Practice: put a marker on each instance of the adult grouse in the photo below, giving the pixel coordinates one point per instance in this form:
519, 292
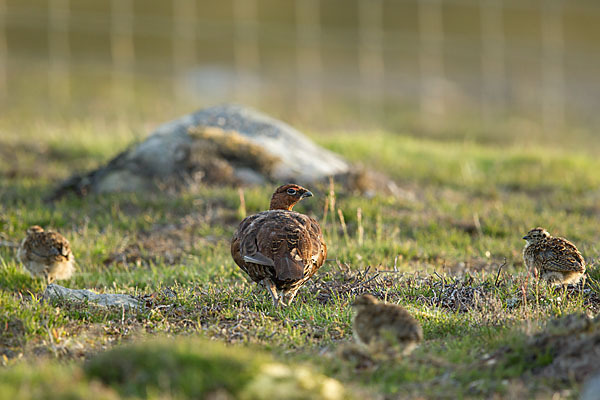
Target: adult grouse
280, 248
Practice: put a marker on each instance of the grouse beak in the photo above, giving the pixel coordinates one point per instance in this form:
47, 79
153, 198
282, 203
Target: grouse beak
306, 194
526, 237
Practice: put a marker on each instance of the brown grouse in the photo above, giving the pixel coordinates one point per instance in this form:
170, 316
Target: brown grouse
47, 254
280, 248
556, 259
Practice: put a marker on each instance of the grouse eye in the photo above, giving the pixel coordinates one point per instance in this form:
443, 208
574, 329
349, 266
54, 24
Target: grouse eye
291, 191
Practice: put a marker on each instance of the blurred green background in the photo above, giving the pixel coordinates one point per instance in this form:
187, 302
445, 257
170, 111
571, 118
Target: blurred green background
482, 69
483, 112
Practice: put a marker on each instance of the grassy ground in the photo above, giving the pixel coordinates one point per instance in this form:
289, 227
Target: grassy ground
448, 248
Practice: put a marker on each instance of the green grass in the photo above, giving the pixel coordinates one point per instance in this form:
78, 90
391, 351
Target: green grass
437, 246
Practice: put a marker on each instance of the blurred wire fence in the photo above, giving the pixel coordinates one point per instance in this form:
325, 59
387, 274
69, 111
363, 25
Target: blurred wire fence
369, 61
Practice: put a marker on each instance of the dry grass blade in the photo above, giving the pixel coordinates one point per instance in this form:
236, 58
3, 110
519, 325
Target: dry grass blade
360, 229
344, 227
242, 207
331, 199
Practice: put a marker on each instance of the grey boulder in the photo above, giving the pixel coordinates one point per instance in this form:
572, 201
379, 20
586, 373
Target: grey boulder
226, 144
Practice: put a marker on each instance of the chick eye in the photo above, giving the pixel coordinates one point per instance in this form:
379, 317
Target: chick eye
291, 191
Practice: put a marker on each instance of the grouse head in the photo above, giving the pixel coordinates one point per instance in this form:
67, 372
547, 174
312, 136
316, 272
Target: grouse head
286, 196
363, 301
34, 229
536, 235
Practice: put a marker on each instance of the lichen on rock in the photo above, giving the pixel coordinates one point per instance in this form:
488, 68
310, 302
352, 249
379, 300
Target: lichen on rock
218, 145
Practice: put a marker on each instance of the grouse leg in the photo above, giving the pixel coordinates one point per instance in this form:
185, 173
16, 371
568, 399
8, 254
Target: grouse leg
272, 291
290, 296
49, 279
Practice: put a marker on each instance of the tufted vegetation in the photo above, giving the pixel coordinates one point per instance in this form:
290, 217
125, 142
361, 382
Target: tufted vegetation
447, 247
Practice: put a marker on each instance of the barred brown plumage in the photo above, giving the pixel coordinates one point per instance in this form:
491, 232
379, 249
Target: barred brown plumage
47, 254
556, 259
385, 328
280, 248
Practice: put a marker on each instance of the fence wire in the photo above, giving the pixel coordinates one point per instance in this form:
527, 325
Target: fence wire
489, 58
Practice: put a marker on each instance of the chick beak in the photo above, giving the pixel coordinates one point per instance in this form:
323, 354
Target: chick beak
306, 194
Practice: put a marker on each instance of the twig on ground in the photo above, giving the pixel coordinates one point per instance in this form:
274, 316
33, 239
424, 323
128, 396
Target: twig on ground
499, 270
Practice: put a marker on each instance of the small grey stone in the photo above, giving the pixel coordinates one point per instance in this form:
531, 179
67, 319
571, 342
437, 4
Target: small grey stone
57, 292
591, 388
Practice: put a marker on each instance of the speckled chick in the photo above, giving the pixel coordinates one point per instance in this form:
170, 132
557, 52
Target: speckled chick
556, 259
47, 254
385, 328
